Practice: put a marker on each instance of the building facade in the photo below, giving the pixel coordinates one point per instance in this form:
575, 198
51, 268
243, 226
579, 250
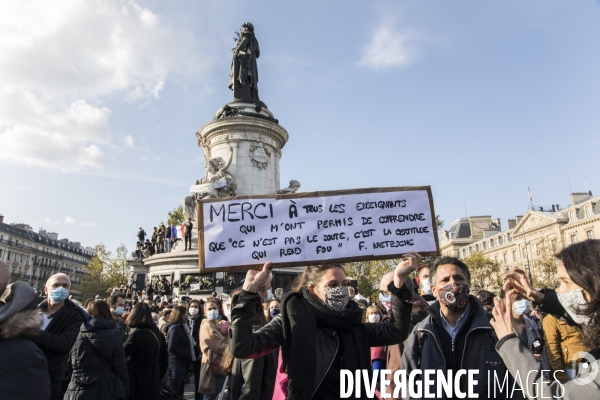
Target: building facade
528, 238
33, 257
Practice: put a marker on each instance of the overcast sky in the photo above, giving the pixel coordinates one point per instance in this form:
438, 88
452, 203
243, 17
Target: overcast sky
100, 102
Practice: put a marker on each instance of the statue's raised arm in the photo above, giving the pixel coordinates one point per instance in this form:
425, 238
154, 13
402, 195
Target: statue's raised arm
223, 170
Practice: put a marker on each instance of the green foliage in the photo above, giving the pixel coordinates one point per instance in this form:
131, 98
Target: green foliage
105, 271
485, 273
368, 274
176, 216
543, 268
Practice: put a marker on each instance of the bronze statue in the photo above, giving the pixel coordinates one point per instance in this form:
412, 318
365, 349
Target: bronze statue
243, 75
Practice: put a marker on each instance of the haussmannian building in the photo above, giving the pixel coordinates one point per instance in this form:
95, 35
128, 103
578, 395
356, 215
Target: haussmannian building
531, 236
33, 257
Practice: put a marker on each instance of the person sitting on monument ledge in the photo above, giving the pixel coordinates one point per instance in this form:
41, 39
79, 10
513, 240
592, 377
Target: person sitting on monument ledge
319, 329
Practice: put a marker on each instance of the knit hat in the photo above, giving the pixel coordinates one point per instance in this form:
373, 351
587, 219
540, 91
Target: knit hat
20, 297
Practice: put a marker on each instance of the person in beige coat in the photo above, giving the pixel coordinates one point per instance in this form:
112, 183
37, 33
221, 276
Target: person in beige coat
213, 343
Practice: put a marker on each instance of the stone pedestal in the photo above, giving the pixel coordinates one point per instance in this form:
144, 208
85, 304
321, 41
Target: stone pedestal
256, 140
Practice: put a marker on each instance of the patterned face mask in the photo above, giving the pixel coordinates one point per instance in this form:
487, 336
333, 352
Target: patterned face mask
455, 296
337, 298
386, 301
572, 302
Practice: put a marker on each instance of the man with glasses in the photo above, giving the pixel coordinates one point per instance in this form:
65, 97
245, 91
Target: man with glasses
61, 320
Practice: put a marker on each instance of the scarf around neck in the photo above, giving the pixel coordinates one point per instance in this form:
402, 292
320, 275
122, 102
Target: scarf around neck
302, 314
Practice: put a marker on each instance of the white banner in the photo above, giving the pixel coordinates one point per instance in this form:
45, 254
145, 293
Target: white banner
307, 228
207, 187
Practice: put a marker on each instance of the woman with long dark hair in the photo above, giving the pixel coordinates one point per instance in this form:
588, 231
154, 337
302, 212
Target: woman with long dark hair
319, 330
143, 349
577, 298
97, 359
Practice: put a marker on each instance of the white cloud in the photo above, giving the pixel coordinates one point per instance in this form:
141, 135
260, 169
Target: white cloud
389, 48
70, 220
88, 223
128, 141
59, 62
144, 159
156, 158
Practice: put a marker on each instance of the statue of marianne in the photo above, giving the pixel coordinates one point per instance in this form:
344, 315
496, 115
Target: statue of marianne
243, 75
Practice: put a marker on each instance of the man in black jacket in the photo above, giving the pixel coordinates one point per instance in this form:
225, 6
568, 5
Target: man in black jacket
61, 320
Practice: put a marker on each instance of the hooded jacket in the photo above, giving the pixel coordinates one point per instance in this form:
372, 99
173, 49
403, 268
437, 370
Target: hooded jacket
430, 347
23, 367
91, 378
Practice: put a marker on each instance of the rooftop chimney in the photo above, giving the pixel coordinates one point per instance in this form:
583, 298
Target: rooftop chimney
512, 223
1, 219
496, 224
519, 218
577, 198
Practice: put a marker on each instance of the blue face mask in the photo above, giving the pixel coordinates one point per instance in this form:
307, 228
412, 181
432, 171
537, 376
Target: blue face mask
120, 310
269, 295
59, 294
521, 307
274, 312
212, 315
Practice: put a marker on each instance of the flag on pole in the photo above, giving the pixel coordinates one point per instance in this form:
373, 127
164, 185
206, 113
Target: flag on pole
529, 193
177, 231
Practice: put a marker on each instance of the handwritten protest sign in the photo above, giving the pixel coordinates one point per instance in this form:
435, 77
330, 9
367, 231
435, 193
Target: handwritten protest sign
310, 228
207, 187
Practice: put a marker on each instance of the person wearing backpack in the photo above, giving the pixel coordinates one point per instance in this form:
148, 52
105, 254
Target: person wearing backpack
98, 359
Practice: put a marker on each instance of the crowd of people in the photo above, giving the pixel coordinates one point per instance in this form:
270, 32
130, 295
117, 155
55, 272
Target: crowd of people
162, 240
147, 345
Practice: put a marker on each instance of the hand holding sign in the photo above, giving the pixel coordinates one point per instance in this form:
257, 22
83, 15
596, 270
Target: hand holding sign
255, 279
409, 264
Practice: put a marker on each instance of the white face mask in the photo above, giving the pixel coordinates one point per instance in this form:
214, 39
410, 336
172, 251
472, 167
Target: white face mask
194, 311
573, 301
426, 286
374, 318
386, 301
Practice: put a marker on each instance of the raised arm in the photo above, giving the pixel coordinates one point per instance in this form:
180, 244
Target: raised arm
243, 342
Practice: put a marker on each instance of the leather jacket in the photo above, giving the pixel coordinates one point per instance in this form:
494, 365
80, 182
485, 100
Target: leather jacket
245, 344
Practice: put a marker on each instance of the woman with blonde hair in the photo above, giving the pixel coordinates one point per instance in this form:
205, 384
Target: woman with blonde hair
378, 353
213, 343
